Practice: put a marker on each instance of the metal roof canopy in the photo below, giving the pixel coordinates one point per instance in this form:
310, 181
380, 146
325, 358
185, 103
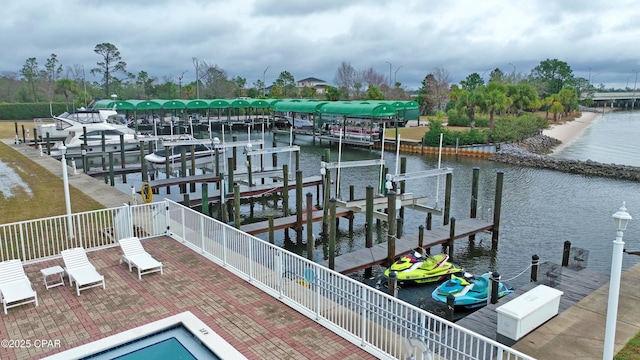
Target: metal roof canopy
307, 107
358, 109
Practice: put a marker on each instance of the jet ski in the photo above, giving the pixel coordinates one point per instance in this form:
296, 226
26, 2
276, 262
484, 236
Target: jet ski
419, 269
469, 291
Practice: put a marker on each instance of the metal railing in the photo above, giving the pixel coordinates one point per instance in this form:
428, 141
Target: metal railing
380, 324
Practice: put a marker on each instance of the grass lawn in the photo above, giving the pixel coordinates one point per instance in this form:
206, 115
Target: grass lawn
46, 196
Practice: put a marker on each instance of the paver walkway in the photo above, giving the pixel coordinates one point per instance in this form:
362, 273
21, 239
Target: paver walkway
255, 323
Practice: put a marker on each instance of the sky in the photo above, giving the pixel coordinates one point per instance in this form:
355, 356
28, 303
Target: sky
258, 39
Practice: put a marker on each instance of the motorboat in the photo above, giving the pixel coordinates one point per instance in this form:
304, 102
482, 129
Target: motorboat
356, 132
468, 291
93, 136
299, 124
418, 269
203, 152
67, 121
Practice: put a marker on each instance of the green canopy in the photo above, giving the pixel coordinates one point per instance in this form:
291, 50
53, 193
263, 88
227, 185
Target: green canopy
198, 104
307, 107
260, 104
240, 103
219, 104
358, 109
173, 104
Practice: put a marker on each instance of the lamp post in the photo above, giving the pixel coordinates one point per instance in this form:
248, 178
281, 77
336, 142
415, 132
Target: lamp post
395, 74
620, 220
390, 66
65, 182
180, 84
514, 69
264, 81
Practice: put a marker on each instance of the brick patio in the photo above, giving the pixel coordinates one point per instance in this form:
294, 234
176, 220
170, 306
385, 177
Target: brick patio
256, 324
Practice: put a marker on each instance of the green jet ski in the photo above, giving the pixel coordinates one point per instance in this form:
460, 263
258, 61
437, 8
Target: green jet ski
419, 269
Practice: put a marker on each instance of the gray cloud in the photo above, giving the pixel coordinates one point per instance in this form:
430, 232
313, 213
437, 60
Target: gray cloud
313, 38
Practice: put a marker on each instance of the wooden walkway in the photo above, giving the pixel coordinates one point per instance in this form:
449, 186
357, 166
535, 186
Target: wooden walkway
575, 284
367, 257
287, 222
258, 190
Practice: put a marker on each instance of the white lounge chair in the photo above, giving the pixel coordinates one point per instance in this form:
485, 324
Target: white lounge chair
15, 287
80, 270
136, 256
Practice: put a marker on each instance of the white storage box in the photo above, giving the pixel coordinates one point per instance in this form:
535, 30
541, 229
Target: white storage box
521, 315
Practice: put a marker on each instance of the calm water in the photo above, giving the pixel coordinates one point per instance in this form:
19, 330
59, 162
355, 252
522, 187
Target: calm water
540, 209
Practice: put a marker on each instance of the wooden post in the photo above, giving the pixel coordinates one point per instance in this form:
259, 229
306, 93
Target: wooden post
104, 150
535, 260
274, 156
429, 220
297, 160
565, 253
143, 165
49, 144
327, 196
452, 233
447, 199
192, 185
496, 209
185, 200
495, 284
230, 167
403, 170
392, 284
285, 196
234, 153
85, 163
368, 225
236, 206
249, 170
271, 231
223, 200
122, 159
205, 199
399, 227
351, 216
183, 169
217, 152
451, 300
474, 197
112, 181
332, 234
391, 222
299, 206
310, 241
421, 236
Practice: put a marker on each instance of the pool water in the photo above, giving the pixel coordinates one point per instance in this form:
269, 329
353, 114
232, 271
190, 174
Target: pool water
176, 343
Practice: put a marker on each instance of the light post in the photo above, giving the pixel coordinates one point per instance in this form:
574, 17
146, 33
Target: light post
395, 74
264, 81
180, 84
390, 66
65, 182
620, 220
514, 69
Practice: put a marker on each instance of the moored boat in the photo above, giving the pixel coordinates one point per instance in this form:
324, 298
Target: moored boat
418, 269
469, 291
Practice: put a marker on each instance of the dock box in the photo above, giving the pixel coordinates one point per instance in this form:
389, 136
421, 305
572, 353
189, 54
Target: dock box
523, 314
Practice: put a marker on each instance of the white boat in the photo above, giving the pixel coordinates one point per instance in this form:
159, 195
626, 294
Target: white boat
63, 123
300, 124
203, 152
94, 135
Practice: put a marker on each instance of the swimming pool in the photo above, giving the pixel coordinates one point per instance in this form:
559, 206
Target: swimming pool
181, 336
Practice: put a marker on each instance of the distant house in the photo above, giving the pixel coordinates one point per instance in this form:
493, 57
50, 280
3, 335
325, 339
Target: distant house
314, 83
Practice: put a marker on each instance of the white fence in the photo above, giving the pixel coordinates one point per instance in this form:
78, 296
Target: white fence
380, 324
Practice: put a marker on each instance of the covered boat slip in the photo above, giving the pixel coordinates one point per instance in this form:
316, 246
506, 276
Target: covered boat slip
393, 113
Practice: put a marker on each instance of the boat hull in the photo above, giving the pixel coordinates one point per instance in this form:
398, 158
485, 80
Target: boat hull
473, 295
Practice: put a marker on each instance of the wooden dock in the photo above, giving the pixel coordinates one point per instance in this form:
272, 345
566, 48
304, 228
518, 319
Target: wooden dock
258, 190
575, 284
287, 222
367, 257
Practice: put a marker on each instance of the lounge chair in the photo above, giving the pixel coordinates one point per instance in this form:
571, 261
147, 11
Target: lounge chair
15, 287
136, 256
80, 270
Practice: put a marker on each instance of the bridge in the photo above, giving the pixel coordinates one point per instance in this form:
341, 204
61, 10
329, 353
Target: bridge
616, 96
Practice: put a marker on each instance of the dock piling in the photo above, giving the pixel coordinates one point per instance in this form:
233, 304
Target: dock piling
332, 234
112, 180
474, 197
299, 206
496, 209
236, 206
565, 253
495, 281
368, 225
391, 221
534, 268
310, 239
205, 199
452, 234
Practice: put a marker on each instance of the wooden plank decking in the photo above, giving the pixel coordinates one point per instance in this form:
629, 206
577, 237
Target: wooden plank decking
575, 284
287, 222
364, 258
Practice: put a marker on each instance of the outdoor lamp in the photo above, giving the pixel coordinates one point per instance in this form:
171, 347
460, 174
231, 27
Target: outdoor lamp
621, 218
323, 168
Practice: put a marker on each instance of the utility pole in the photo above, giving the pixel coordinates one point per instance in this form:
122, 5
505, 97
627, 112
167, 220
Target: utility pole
264, 81
180, 84
390, 66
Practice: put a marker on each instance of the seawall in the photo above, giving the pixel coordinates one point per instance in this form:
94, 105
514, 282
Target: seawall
518, 154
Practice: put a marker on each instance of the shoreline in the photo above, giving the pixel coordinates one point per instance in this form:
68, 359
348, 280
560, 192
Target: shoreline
568, 131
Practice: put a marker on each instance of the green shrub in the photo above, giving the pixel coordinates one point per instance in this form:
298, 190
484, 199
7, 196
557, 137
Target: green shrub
28, 111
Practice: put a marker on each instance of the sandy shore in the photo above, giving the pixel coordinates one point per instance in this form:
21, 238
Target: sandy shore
569, 131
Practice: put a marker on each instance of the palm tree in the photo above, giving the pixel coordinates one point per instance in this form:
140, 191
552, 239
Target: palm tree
66, 87
467, 101
494, 98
